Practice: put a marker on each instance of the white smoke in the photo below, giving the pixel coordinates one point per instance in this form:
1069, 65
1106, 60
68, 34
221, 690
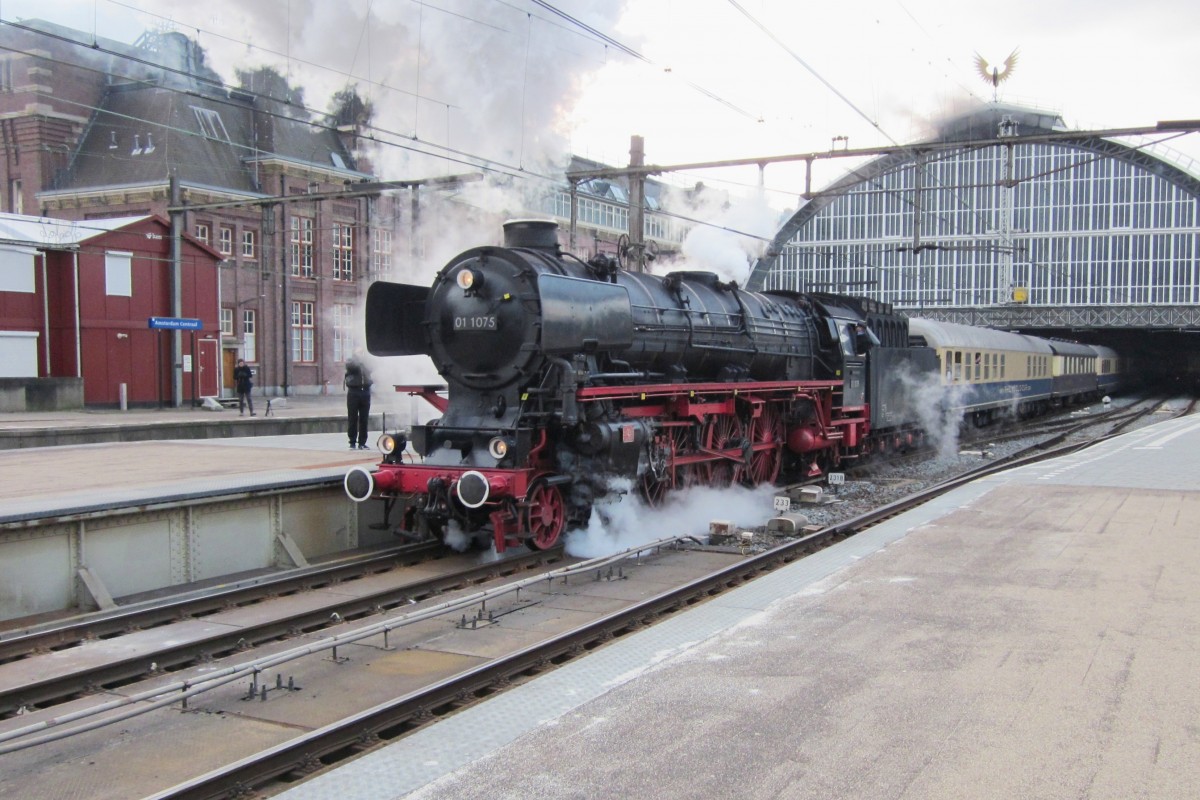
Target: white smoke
458, 79
729, 233
629, 522
455, 538
938, 407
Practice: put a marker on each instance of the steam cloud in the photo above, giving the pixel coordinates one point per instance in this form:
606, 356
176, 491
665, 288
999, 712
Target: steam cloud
938, 408
738, 233
629, 522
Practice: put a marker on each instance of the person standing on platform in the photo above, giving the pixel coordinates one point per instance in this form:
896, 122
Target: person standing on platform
243, 382
358, 400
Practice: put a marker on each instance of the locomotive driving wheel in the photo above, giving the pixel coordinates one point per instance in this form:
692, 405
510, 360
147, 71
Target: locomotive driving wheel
656, 479
662, 475
724, 432
766, 437
654, 488
545, 515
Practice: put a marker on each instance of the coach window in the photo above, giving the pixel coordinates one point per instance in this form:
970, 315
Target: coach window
987, 366
957, 366
1002, 373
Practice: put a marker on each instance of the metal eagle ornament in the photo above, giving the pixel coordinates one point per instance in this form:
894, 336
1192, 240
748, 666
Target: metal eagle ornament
996, 75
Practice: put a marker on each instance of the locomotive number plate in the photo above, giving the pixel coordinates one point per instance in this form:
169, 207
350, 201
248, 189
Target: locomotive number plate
482, 322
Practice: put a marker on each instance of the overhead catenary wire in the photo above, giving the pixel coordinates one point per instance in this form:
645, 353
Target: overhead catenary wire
824, 81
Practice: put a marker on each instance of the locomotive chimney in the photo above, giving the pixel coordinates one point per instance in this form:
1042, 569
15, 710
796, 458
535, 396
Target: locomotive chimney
541, 234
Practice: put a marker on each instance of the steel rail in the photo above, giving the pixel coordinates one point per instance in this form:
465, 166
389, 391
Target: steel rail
60, 634
56, 688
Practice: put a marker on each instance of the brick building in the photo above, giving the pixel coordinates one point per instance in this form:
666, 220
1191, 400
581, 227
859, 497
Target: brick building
93, 129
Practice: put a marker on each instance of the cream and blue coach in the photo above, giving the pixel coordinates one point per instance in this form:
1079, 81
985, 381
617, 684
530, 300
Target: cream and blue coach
988, 372
1109, 369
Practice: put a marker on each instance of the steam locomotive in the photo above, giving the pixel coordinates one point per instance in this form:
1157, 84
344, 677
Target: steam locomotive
563, 375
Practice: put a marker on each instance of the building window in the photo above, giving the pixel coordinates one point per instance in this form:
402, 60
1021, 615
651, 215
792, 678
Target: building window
381, 251
118, 274
343, 331
226, 321
248, 244
225, 241
302, 247
202, 232
211, 124
18, 198
303, 332
343, 252
249, 342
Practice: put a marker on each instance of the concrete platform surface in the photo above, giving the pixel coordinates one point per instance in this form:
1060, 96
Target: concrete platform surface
1031, 635
58, 481
290, 415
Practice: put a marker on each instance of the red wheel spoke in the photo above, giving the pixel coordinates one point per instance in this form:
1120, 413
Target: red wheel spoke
545, 515
766, 436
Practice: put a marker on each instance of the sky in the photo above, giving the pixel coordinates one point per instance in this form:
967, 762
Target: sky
700, 80
522, 84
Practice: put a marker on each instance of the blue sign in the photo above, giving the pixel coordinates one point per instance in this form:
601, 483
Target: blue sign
176, 324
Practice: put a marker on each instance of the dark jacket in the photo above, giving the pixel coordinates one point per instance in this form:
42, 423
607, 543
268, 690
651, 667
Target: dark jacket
241, 379
357, 375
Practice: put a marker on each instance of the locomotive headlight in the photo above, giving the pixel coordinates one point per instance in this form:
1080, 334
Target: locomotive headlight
498, 447
466, 279
387, 444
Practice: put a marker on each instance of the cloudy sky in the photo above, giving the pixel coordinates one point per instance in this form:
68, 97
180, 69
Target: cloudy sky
522, 83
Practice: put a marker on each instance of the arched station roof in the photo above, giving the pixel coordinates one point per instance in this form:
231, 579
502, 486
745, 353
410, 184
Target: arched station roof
974, 130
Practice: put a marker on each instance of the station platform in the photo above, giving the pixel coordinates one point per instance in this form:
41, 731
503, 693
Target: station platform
192, 495
283, 416
128, 458
1034, 634
85, 479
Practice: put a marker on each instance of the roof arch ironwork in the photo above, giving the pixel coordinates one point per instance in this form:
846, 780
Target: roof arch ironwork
973, 131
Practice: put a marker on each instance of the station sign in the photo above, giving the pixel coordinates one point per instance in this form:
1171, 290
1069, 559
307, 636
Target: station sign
175, 324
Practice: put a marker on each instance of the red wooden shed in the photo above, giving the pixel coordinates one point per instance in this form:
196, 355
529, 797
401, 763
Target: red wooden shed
77, 299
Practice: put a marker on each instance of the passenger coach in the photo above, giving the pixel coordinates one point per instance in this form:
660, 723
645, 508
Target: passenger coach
988, 372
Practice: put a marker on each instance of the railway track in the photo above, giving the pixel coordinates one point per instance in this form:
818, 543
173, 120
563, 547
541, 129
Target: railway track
151, 622
1040, 433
